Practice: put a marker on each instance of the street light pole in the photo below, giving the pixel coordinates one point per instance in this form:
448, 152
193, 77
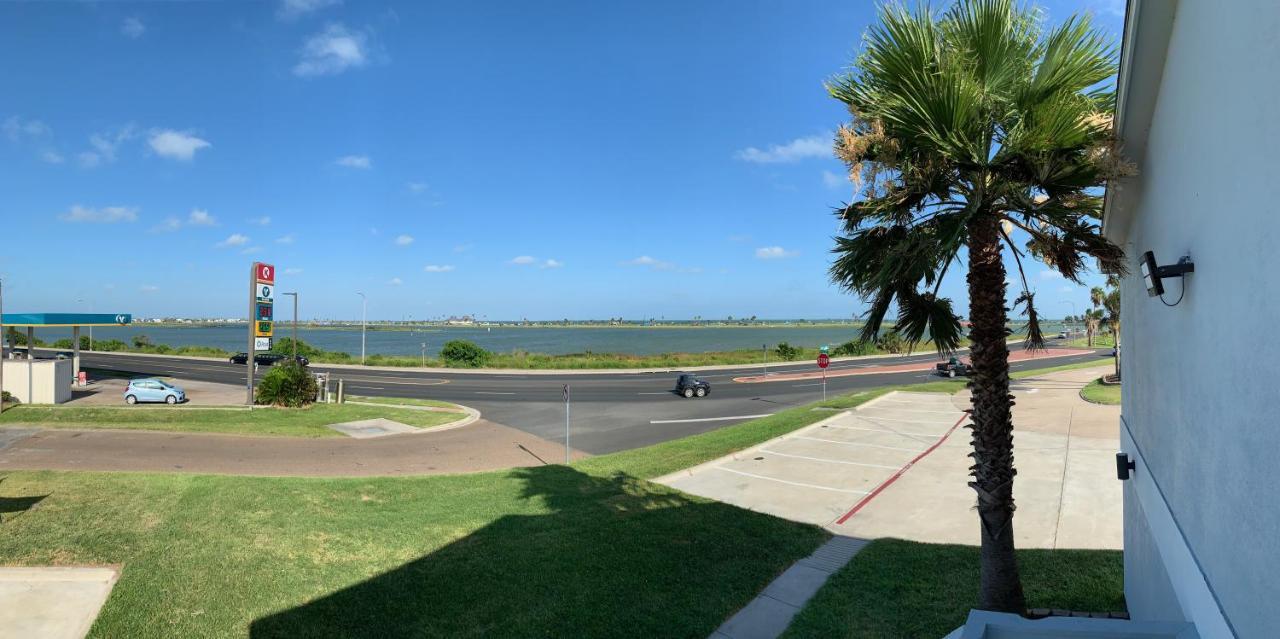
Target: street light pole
295, 324
424, 354
364, 307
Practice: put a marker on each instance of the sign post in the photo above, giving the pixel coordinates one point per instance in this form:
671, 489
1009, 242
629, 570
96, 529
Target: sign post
566, 424
824, 361
262, 280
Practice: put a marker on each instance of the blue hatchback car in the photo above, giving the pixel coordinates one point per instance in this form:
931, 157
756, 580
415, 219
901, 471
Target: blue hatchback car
151, 389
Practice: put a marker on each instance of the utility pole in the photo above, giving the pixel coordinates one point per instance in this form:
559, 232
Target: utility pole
566, 424
364, 306
764, 357
424, 354
295, 324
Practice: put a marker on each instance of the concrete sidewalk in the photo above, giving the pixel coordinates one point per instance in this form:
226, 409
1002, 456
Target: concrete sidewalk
898, 467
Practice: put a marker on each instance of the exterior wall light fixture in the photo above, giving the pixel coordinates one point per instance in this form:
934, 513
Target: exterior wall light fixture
1152, 274
1124, 466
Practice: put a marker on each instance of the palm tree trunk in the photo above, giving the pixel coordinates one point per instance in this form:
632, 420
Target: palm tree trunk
992, 470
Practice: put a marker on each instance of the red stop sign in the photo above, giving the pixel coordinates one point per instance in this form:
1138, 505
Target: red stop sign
823, 360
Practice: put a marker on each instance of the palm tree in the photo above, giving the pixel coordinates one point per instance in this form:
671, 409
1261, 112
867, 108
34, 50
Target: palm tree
1092, 319
971, 128
1109, 300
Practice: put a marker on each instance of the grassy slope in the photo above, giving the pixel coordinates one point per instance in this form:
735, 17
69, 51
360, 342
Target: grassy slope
303, 422
1099, 393
896, 588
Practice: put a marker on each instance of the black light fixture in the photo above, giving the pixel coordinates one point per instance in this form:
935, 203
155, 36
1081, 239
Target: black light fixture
1152, 274
1124, 466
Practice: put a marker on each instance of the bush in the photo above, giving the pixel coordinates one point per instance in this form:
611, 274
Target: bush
786, 351
9, 398
141, 341
460, 353
284, 346
891, 342
110, 345
854, 347
287, 384
64, 343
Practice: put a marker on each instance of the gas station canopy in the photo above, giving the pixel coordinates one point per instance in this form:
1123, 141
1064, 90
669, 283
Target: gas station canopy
37, 320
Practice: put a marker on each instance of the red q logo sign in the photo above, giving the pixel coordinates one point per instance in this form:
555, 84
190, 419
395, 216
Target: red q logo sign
265, 272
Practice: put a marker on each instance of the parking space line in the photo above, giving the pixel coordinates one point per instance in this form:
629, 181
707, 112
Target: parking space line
831, 461
901, 471
793, 483
884, 430
836, 441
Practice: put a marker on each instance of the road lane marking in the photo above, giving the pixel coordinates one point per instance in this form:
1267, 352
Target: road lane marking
836, 441
793, 483
803, 385
492, 393
706, 419
823, 459
661, 393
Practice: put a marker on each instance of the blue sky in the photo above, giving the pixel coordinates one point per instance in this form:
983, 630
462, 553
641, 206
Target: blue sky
540, 160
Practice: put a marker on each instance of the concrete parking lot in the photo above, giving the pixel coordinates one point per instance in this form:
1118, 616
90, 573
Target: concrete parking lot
898, 467
110, 392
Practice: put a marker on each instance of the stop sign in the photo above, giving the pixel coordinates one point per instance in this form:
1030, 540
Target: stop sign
823, 360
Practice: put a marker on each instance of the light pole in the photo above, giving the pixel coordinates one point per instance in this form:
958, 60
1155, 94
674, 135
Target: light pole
424, 354
364, 307
295, 324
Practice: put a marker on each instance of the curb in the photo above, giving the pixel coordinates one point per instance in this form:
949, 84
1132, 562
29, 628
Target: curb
472, 417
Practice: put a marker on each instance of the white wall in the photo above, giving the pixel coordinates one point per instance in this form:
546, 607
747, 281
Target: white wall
51, 380
1201, 394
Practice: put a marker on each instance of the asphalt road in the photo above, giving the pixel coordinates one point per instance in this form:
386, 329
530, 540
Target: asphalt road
610, 411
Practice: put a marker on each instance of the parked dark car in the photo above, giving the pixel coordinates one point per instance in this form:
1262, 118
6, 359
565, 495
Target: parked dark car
953, 368
690, 386
265, 359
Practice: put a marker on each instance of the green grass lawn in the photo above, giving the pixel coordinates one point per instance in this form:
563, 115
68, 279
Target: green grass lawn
1100, 393
402, 401
296, 422
896, 588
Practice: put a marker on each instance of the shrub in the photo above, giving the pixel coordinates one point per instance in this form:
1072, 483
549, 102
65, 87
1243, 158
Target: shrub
854, 347
110, 345
891, 342
787, 351
460, 353
64, 343
141, 341
287, 384
284, 346
9, 398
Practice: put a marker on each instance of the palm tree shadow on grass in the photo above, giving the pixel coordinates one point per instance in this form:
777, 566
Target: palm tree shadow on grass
611, 557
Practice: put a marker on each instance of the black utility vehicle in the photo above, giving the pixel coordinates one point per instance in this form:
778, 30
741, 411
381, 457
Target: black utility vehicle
952, 368
690, 386
265, 359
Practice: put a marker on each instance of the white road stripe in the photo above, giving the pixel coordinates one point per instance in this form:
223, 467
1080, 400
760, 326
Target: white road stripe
661, 393
492, 393
793, 483
836, 441
803, 385
831, 461
705, 419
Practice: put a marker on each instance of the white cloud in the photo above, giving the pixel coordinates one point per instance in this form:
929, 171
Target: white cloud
814, 146
292, 9
17, 128
176, 145
132, 27
463, 248
148, 288
773, 253
1050, 275
416, 187
105, 145
523, 259
285, 239
404, 240
550, 263
235, 239
833, 181
169, 225
201, 217
52, 157
105, 215
645, 260
354, 161
333, 51
250, 250
260, 221
395, 281
438, 268
293, 271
